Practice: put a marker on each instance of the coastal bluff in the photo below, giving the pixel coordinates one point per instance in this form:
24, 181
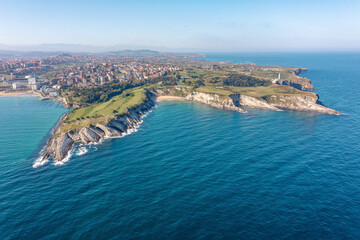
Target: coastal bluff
62, 142
236, 102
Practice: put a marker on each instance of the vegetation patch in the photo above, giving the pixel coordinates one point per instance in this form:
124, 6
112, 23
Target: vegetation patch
242, 80
257, 92
102, 113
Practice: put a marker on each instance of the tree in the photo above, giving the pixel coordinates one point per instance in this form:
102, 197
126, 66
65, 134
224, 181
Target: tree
240, 80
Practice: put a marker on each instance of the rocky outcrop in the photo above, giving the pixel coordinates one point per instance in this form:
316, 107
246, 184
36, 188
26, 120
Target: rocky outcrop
298, 102
305, 102
298, 71
60, 144
58, 147
214, 100
298, 83
247, 101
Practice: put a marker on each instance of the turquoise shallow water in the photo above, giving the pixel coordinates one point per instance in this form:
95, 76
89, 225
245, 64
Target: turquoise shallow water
194, 172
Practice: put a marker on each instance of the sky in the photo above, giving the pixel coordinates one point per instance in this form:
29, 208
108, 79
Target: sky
184, 25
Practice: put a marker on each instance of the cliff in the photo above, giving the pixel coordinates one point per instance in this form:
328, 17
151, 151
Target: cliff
298, 83
294, 80
306, 102
298, 102
214, 100
61, 143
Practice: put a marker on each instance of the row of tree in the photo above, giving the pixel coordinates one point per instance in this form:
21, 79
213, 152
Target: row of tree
240, 80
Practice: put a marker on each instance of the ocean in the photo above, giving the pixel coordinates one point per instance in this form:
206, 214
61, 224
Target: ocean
192, 171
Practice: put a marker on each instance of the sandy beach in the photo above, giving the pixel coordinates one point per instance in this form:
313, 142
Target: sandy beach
169, 98
4, 94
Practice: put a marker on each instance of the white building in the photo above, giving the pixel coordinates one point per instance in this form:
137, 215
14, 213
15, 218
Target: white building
31, 80
54, 93
276, 80
35, 86
57, 87
17, 85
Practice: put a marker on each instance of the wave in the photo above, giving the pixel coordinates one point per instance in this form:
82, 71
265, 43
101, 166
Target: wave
40, 161
65, 160
81, 151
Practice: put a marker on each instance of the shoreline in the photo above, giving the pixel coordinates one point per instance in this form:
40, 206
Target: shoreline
58, 146
60, 143
15, 94
159, 98
60, 99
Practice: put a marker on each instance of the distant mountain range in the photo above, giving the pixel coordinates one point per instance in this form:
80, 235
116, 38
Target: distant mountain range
44, 50
142, 52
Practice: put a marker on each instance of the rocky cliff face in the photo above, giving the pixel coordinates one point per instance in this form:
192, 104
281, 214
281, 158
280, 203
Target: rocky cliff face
299, 103
301, 83
60, 144
297, 82
210, 99
306, 102
252, 102
299, 71
215, 100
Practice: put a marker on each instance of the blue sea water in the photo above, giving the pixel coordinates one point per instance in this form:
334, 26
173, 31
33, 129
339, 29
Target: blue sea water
194, 172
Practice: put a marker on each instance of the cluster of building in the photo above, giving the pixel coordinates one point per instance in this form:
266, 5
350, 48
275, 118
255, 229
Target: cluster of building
81, 71
20, 67
33, 83
98, 71
28, 82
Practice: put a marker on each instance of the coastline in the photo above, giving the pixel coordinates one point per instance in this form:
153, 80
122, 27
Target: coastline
32, 93
59, 145
160, 98
16, 94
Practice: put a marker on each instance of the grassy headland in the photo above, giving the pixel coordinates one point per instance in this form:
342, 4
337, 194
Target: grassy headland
103, 103
103, 112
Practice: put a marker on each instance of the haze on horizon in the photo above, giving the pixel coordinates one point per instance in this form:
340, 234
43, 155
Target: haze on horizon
204, 25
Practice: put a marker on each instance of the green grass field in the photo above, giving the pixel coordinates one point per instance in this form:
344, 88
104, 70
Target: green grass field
116, 106
204, 74
257, 92
104, 112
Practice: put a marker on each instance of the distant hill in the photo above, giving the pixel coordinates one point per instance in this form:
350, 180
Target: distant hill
9, 53
118, 49
142, 52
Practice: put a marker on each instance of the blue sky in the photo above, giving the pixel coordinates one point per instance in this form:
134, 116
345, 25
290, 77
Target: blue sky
258, 25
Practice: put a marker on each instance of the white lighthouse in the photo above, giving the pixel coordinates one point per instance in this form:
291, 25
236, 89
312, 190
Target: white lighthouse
275, 80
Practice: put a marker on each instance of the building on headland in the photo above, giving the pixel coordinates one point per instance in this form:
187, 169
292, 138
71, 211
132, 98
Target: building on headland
54, 93
51, 92
277, 79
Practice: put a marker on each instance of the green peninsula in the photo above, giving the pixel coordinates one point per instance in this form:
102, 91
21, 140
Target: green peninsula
115, 108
